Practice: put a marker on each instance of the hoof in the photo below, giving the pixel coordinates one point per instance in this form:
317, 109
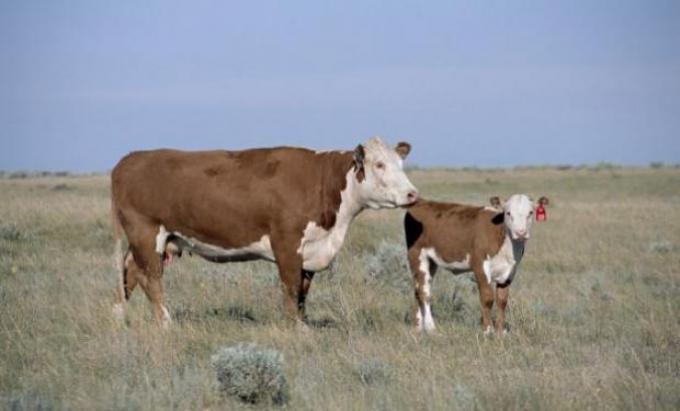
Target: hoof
118, 312
166, 320
302, 327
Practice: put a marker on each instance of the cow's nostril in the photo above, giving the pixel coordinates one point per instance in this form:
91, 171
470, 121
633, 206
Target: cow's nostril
412, 196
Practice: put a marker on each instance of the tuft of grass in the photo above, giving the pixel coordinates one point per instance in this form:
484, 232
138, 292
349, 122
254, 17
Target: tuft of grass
251, 374
372, 371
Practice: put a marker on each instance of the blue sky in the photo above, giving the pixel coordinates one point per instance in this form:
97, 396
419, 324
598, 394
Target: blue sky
491, 83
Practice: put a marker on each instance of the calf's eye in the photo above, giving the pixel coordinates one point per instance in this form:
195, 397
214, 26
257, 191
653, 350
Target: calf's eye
380, 165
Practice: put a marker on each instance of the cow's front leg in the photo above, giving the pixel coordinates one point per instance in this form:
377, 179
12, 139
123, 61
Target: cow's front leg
307, 277
289, 263
502, 294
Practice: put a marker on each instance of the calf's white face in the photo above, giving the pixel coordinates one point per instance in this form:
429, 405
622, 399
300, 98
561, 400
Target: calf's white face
519, 215
385, 185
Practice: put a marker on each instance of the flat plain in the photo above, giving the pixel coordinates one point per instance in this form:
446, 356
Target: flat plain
593, 312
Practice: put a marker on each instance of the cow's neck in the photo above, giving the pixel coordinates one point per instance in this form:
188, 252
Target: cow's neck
319, 245
351, 203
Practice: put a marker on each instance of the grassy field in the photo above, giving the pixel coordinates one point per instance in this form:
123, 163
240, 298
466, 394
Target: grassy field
593, 312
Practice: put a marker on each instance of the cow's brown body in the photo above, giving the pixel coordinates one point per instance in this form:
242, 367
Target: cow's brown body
241, 205
231, 199
460, 238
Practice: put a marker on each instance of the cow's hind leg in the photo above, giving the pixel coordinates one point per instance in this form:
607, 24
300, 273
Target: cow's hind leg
131, 275
149, 265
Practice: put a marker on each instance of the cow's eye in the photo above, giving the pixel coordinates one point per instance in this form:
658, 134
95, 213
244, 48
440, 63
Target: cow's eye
507, 213
380, 165
531, 212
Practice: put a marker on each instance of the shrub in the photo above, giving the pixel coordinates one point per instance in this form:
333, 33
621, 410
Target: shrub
465, 399
660, 247
388, 265
18, 175
61, 187
251, 374
10, 233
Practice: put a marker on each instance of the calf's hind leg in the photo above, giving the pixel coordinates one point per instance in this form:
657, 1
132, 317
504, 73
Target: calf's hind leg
423, 270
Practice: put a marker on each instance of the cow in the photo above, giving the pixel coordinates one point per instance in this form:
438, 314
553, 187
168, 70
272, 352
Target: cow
489, 241
288, 205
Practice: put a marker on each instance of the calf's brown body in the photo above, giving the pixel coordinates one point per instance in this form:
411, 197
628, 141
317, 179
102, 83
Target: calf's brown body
461, 238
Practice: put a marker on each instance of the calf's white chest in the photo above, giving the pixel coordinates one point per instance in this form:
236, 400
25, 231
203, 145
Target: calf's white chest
502, 266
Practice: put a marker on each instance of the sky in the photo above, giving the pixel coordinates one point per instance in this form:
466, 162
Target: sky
467, 83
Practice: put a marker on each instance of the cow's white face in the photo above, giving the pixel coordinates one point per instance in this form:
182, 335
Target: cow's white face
519, 215
382, 181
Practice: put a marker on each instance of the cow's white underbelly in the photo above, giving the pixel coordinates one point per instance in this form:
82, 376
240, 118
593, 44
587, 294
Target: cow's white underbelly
261, 249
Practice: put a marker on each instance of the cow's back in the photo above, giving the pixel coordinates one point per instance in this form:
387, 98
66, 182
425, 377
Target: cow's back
209, 193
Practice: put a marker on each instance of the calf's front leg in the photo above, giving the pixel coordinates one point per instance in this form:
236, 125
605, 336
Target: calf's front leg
502, 294
485, 297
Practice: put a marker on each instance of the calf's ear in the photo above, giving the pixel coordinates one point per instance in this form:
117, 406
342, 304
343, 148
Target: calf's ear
544, 200
495, 202
402, 148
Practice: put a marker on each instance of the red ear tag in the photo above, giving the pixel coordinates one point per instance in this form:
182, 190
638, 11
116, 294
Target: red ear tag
540, 213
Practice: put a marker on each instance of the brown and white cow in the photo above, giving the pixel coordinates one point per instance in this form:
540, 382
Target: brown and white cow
291, 206
489, 241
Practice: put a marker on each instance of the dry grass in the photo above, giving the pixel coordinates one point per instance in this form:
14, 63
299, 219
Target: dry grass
593, 311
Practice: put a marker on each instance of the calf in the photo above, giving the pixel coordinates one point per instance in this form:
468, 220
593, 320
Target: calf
488, 241
291, 206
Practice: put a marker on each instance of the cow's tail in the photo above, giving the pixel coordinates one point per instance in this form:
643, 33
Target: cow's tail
118, 261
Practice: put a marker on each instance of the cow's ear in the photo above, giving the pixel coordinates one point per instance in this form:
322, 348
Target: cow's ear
402, 148
495, 202
359, 157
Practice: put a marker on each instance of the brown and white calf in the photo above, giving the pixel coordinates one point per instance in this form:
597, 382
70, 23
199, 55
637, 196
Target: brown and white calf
291, 206
487, 241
